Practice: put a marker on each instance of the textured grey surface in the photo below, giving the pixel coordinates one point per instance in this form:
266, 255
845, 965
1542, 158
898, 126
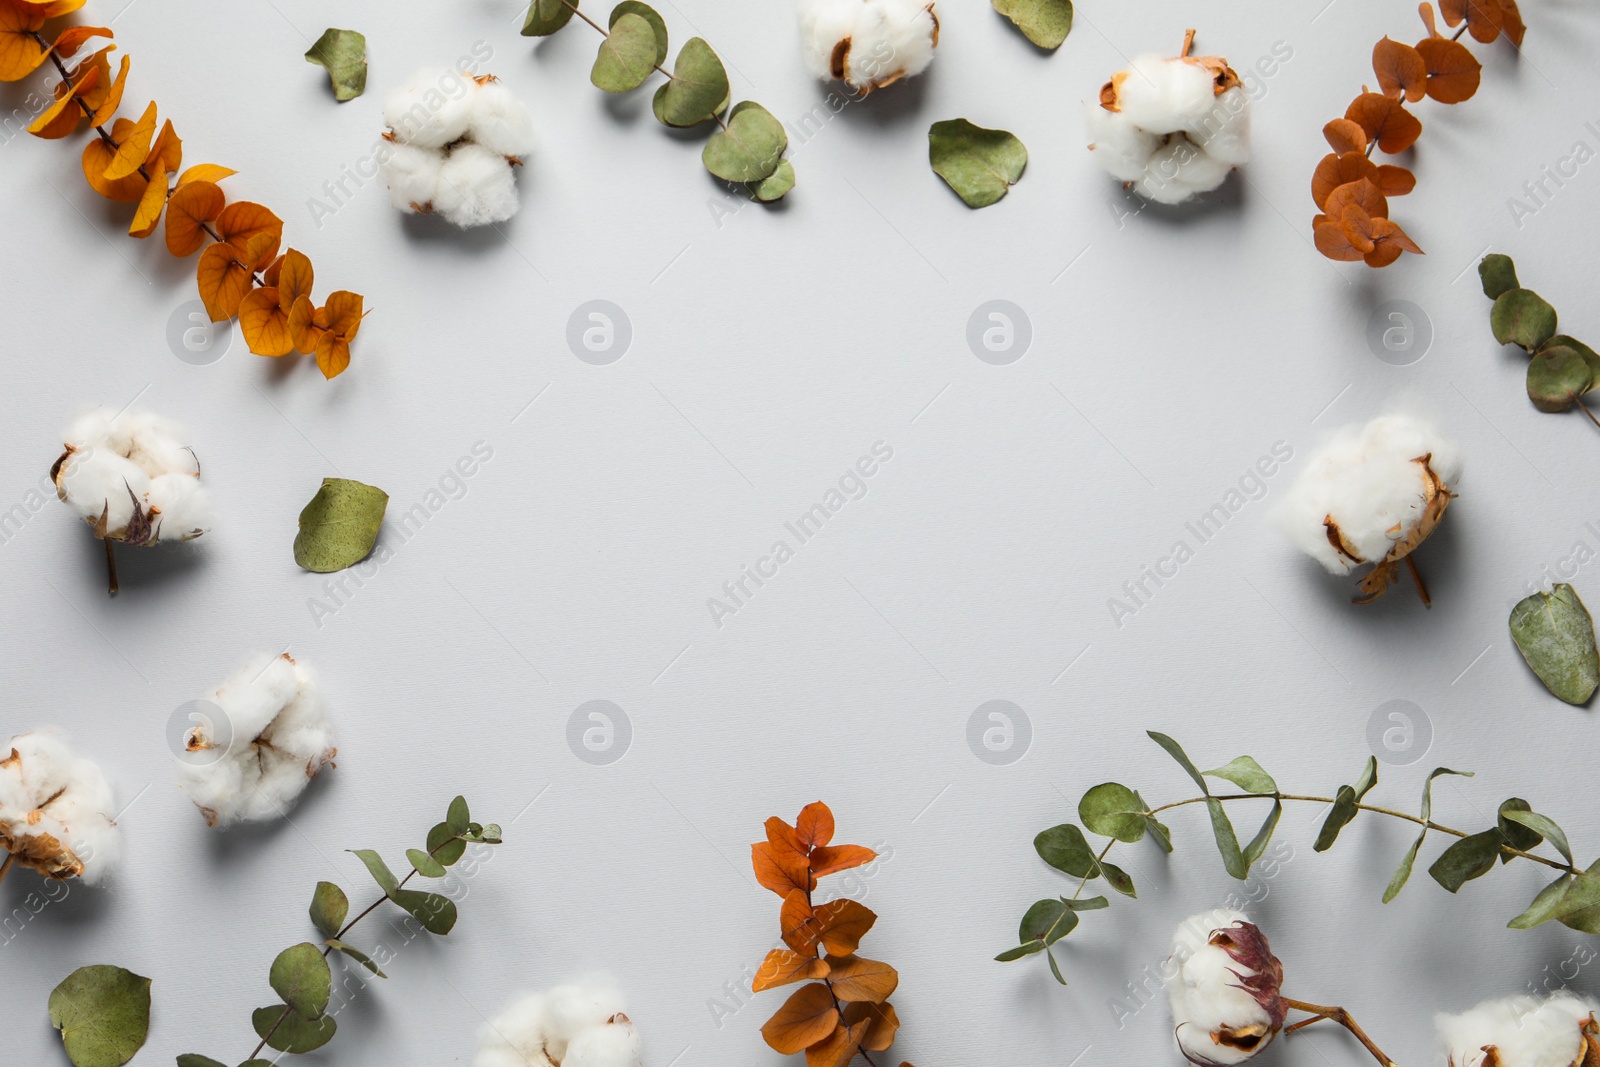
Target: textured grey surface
1170, 350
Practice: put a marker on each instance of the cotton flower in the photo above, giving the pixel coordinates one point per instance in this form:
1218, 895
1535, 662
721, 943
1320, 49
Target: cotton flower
578, 1025
55, 810
455, 142
1225, 1002
1523, 1032
264, 736
1372, 494
131, 477
1171, 128
868, 44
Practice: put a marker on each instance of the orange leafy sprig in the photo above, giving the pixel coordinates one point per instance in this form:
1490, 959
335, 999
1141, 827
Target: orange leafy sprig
1351, 191
241, 271
843, 1011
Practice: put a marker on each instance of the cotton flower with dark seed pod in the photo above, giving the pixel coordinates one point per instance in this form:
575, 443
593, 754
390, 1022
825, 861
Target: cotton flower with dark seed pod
868, 44
1524, 1031
56, 810
577, 1025
132, 478
1226, 1004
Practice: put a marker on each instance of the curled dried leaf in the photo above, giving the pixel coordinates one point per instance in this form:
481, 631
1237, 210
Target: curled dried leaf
1337, 170
1400, 70
134, 148
1386, 121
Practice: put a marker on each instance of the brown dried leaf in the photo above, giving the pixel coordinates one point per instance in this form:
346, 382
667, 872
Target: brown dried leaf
1385, 121
1395, 181
1453, 71
882, 1024
856, 978
782, 967
1364, 194
1345, 136
1332, 241
1335, 171
806, 1018
1400, 70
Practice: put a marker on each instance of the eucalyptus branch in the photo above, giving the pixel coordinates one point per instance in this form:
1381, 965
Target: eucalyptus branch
1561, 369
1119, 813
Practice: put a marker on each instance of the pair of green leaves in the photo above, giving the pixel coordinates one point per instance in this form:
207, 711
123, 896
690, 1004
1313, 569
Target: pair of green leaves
635, 46
980, 165
1044, 22
340, 525
343, 53
1555, 634
1248, 775
301, 977
103, 1013
1562, 368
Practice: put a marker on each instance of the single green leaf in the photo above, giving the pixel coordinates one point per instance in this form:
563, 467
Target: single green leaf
650, 15
980, 165
750, 148
458, 816
1590, 356
1047, 921
103, 1013
1114, 810
329, 907
1515, 834
380, 871
190, 1059
1158, 831
1555, 635
1117, 878
627, 55
1027, 949
1227, 840
547, 16
444, 846
285, 1031
1498, 274
1402, 873
1064, 848
1055, 968
491, 834
1427, 788
340, 525
357, 955
698, 90
1557, 376
1521, 317
301, 977
774, 186
1580, 908
1469, 858
1368, 779
1544, 827
1258, 844
1044, 22
1339, 816
1544, 906
1086, 903
1175, 750
1247, 774
344, 54
425, 864
436, 913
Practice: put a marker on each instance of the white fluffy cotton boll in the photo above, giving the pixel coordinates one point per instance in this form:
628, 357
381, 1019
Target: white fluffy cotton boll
270, 737
1120, 147
571, 1009
614, 1044
1224, 131
1224, 996
131, 469
183, 505
500, 122
868, 44
432, 109
1163, 95
476, 187
56, 810
1523, 1031
515, 1037
412, 175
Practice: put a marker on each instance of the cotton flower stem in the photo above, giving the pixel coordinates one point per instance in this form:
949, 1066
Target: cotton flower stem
1188, 43
1342, 1017
111, 564
1422, 587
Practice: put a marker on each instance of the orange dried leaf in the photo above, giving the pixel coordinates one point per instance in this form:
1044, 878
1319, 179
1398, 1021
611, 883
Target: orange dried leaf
1385, 121
836, 858
1425, 9
782, 967
20, 51
61, 118
97, 156
113, 99
856, 978
1335, 171
167, 150
293, 277
72, 38
264, 323
882, 1024
1362, 193
805, 1019
191, 205
333, 354
53, 8
838, 1048
150, 204
306, 333
224, 279
782, 837
783, 872
1400, 70
1453, 71
844, 923
1358, 227
205, 172
1345, 136
241, 222
135, 147
1511, 22
1394, 181
798, 924
1388, 241
1483, 17
814, 828
1332, 241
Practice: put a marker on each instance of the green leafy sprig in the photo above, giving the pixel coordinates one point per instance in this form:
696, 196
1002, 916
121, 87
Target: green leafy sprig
301, 976
1121, 815
1561, 368
748, 146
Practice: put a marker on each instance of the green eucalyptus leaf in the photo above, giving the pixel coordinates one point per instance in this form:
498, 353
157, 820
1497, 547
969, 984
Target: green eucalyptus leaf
444, 846
1522, 317
458, 816
1427, 788
329, 907
627, 55
425, 864
436, 913
1469, 858
1055, 968
285, 1031
1517, 835
1175, 750
103, 1013
1048, 921
1557, 376
1368, 778
698, 90
650, 15
1064, 848
340, 525
774, 186
1555, 635
344, 54
1044, 22
1258, 844
1114, 810
301, 977
357, 955
1339, 816
1590, 356
1402, 873
1117, 878
751, 147
1543, 827
191, 1059
1498, 274
491, 834
1026, 949
380, 871
1545, 906
1247, 774
1227, 840
547, 16
980, 165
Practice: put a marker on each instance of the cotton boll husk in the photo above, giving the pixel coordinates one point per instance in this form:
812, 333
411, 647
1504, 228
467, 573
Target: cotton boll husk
615, 1044
56, 810
515, 1037
1207, 994
273, 736
412, 175
1119, 146
500, 122
1525, 1031
571, 1009
476, 187
888, 39
112, 465
432, 108
1164, 95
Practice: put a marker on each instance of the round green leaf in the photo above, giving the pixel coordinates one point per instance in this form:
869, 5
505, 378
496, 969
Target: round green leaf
1064, 848
301, 977
103, 1013
1590, 356
442, 848
650, 15
329, 907
286, 1031
1113, 810
1044, 22
1047, 921
340, 525
344, 54
425, 864
458, 816
980, 165
190, 1059
776, 185
698, 91
436, 913
751, 147
1555, 634
627, 55
1521, 317
1498, 274
1557, 376
547, 16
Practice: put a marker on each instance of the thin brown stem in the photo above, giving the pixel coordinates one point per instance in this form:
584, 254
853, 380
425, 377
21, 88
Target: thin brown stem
1457, 35
837, 1005
1342, 1017
1422, 587
111, 565
1581, 406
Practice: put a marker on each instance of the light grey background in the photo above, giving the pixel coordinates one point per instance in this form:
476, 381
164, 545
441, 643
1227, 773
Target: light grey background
770, 349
